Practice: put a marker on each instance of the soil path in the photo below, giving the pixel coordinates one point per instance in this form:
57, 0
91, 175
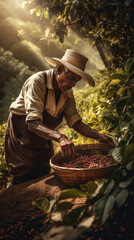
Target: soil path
16, 200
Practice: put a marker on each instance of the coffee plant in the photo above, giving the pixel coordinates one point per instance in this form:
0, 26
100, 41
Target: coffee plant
109, 107
113, 205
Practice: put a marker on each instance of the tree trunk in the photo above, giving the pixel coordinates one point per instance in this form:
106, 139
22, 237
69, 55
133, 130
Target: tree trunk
101, 52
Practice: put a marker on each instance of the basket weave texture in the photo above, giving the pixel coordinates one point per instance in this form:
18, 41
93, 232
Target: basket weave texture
77, 176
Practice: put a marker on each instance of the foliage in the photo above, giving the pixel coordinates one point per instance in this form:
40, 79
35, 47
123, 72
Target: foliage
21, 34
116, 192
87, 103
116, 196
60, 206
4, 171
12, 76
109, 107
106, 22
30, 54
122, 120
28, 51
113, 195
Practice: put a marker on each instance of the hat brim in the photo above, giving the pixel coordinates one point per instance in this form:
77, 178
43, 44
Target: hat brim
84, 76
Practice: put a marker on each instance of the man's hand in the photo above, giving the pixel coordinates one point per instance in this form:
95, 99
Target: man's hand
105, 139
67, 147
85, 130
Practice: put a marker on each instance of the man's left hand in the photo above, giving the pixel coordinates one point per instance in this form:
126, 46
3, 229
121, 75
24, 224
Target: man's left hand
105, 139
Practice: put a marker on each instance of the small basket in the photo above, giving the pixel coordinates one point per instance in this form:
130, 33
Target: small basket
77, 176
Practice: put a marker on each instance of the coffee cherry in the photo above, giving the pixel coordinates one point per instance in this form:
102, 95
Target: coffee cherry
91, 161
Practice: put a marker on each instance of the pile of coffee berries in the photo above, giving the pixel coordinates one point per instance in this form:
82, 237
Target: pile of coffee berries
24, 228
91, 161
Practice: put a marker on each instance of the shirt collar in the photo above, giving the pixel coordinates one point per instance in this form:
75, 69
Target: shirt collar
50, 73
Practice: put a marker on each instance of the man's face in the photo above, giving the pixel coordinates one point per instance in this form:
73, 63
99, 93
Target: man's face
67, 80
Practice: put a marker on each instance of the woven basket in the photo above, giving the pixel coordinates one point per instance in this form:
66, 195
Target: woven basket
77, 176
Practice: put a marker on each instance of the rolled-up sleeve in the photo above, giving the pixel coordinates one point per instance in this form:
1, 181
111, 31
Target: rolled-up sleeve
70, 113
34, 95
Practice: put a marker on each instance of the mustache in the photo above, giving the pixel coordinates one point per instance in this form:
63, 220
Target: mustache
66, 88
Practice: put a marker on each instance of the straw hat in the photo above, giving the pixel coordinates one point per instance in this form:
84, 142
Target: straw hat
75, 62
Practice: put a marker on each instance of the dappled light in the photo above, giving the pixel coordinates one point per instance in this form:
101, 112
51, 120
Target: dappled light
31, 28
24, 34
40, 199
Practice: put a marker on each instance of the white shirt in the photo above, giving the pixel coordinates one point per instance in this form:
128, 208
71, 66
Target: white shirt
30, 101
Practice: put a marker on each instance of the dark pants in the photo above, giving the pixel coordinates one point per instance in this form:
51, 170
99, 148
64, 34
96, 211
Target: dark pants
26, 154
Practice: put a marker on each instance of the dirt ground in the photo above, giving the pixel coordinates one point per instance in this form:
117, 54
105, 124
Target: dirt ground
16, 208
15, 200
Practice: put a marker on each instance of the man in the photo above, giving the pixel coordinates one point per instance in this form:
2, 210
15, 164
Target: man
45, 98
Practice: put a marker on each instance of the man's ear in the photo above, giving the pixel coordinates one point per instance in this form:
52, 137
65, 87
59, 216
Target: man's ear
60, 69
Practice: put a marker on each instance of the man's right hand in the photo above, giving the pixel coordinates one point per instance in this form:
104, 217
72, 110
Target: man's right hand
67, 147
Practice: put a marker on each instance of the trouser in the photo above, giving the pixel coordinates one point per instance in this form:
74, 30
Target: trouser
26, 154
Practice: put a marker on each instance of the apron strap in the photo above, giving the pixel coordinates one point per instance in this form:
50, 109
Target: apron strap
46, 91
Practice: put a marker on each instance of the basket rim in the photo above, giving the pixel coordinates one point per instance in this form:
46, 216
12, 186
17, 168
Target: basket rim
77, 169
84, 169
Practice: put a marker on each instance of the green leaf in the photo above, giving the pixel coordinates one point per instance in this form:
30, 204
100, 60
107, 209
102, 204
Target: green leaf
119, 76
46, 14
124, 125
128, 64
71, 193
109, 187
122, 72
52, 201
42, 203
89, 187
109, 116
128, 152
116, 191
98, 207
108, 208
116, 153
107, 113
126, 139
124, 172
121, 90
38, 12
74, 216
121, 197
120, 106
114, 82
117, 174
130, 166
110, 119
113, 128
125, 184
32, 10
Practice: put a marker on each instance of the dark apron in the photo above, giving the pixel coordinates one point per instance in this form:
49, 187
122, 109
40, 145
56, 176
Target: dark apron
25, 152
